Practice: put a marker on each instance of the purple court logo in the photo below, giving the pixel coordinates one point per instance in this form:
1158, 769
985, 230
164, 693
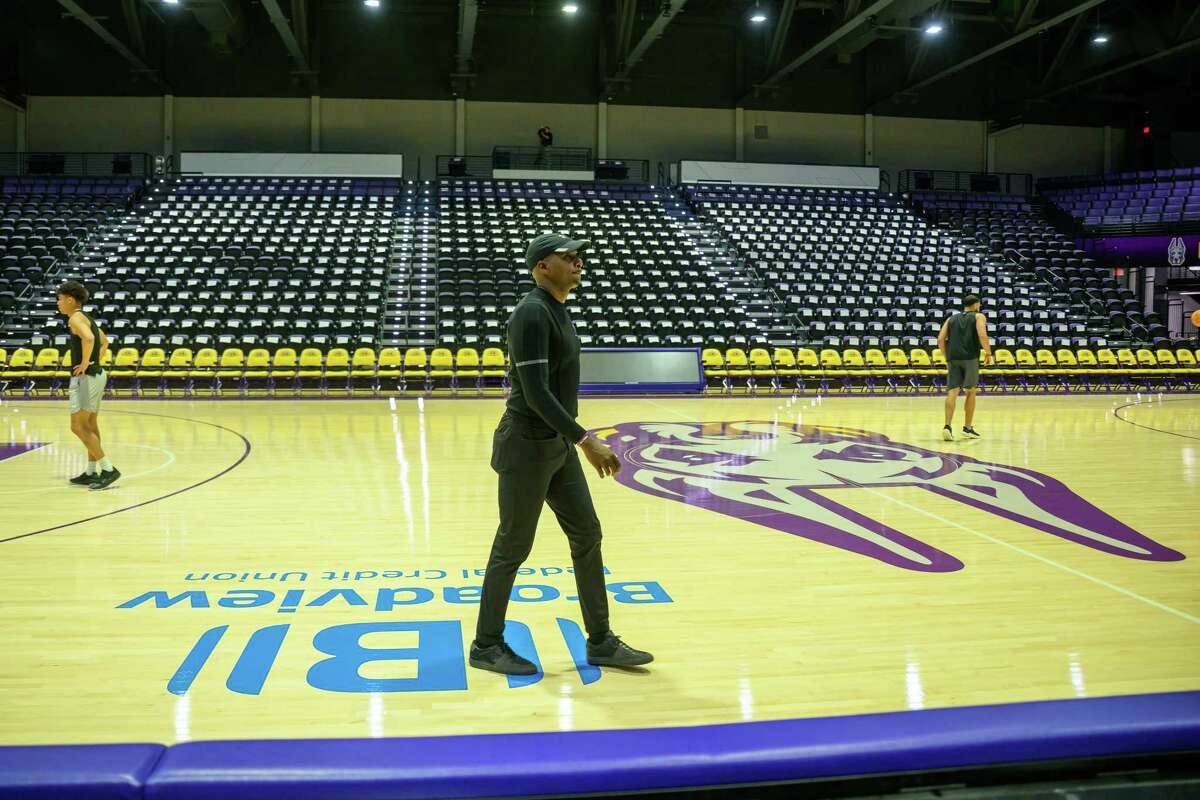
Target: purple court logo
783, 477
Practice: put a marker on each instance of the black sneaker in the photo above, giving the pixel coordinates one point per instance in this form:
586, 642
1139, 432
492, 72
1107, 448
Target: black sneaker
970, 433
947, 434
84, 479
612, 652
105, 479
501, 658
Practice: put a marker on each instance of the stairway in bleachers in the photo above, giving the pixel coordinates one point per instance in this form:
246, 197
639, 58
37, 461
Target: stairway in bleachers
410, 312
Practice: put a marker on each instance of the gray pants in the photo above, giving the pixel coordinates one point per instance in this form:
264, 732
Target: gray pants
534, 471
86, 392
963, 374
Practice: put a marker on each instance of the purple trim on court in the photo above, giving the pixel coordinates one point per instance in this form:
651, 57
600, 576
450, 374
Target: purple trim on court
1147, 427
530, 764
226, 471
10, 449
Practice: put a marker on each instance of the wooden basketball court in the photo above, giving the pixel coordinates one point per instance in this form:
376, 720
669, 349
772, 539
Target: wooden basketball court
297, 569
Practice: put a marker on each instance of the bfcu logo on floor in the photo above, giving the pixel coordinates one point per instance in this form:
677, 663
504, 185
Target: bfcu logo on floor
439, 653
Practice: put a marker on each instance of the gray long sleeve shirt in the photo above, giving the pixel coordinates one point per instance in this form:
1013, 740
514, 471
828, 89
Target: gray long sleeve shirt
544, 352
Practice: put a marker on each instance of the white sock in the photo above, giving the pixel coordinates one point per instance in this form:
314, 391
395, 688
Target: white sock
91, 468
105, 464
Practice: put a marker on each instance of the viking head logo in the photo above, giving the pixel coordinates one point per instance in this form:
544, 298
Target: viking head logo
1176, 252
780, 476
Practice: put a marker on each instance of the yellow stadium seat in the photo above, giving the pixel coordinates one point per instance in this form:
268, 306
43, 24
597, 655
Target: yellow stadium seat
388, 368
204, 369
41, 375
1004, 358
1086, 359
177, 375
337, 370
1145, 358
415, 369
1107, 359
714, 366
311, 372
737, 365
3, 358
761, 367
495, 368
1025, 359
1126, 358
938, 358
441, 368
150, 370
466, 368
257, 376
830, 359
284, 367
784, 362
16, 377
364, 370
1065, 358
852, 358
230, 369
123, 374
806, 359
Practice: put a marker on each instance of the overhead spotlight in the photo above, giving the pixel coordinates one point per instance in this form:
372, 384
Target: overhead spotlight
758, 17
933, 29
171, 2
570, 8
371, 3
1100, 38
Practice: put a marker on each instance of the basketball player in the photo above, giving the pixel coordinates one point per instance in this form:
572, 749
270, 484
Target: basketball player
962, 338
88, 345
533, 451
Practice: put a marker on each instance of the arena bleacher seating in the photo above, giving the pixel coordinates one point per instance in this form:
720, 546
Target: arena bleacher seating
1143, 197
1099, 312
286, 286
41, 221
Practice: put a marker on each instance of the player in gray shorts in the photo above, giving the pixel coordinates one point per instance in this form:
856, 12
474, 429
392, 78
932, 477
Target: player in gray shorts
88, 346
963, 337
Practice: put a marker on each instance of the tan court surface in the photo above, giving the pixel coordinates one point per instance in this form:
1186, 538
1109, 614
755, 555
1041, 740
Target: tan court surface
783, 561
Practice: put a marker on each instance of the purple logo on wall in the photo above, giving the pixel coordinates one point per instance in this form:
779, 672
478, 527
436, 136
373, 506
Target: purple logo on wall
779, 476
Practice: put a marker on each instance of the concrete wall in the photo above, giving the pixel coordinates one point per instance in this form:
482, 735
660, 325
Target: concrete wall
272, 125
420, 129
910, 143
8, 129
490, 124
670, 134
424, 129
1046, 150
804, 138
94, 124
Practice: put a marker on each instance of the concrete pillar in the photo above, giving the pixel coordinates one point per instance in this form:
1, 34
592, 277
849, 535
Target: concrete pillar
314, 124
168, 148
602, 130
460, 126
869, 140
739, 134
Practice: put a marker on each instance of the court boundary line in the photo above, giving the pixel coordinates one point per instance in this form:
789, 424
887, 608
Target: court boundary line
1148, 427
245, 454
1016, 548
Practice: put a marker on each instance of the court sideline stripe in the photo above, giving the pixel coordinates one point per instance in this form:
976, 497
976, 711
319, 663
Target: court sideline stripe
1147, 427
226, 471
1022, 551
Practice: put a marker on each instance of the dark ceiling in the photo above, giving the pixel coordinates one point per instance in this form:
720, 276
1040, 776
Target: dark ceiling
857, 55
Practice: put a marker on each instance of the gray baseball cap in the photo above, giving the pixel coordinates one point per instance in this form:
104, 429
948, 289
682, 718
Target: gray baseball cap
547, 243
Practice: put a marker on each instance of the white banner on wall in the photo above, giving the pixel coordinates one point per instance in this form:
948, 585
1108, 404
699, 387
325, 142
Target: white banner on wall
779, 174
325, 165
